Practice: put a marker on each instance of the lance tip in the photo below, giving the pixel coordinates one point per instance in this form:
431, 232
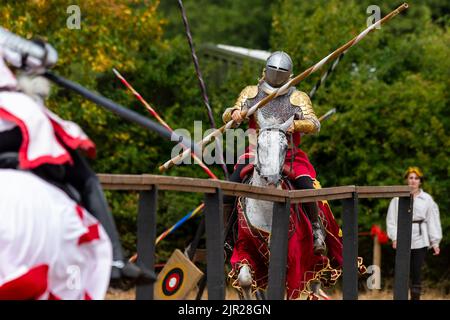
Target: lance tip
116, 72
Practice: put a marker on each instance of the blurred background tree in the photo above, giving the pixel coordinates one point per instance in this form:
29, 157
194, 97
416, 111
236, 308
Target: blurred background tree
390, 91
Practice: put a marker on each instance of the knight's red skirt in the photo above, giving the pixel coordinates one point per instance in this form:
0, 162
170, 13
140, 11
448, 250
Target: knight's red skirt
252, 248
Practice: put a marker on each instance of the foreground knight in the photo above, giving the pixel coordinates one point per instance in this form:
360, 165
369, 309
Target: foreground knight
290, 103
34, 139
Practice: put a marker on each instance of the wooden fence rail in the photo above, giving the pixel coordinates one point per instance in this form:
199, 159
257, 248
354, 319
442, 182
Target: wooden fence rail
149, 185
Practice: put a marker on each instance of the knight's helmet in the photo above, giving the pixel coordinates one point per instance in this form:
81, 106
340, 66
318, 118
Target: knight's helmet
33, 56
278, 69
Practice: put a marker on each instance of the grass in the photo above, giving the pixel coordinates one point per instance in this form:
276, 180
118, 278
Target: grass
336, 294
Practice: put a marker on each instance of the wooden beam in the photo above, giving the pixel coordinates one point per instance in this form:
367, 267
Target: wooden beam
313, 195
382, 191
145, 181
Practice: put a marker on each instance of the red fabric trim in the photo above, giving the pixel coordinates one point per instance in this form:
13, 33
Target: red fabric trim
91, 235
248, 169
74, 143
93, 232
87, 296
52, 296
25, 163
80, 213
29, 286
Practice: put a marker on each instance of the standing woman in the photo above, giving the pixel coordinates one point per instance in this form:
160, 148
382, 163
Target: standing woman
426, 228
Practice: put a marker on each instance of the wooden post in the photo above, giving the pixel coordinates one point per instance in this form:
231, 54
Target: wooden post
146, 236
376, 252
278, 250
350, 233
376, 266
403, 252
215, 259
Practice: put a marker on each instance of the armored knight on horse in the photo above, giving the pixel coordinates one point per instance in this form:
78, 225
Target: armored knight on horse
292, 103
278, 162
281, 113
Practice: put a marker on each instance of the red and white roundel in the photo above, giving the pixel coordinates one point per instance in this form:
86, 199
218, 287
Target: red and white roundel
172, 281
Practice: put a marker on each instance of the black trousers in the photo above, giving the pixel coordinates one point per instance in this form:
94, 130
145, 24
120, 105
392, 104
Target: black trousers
417, 261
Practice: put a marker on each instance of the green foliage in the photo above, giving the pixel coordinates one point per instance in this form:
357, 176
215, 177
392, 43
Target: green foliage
239, 23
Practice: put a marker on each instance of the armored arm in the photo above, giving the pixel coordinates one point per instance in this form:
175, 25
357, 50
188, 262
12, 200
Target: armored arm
308, 122
249, 92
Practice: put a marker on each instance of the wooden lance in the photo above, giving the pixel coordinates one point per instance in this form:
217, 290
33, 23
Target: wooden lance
294, 81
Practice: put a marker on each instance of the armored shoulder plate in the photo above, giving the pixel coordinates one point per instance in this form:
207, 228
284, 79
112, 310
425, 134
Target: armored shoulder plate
299, 99
309, 122
249, 92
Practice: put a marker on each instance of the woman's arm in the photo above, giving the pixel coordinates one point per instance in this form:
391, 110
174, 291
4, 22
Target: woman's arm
434, 226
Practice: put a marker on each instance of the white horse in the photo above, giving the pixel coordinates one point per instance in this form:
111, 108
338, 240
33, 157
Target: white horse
270, 154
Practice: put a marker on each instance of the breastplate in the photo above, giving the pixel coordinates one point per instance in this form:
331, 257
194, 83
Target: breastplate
279, 108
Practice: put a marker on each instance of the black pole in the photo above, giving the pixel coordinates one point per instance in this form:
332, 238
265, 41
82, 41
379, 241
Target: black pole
202, 83
350, 246
403, 252
122, 111
278, 250
325, 75
146, 235
215, 260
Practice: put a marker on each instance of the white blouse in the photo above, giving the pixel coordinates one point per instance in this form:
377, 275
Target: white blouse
428, 233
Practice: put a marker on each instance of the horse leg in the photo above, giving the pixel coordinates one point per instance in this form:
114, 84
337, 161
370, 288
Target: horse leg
245, 281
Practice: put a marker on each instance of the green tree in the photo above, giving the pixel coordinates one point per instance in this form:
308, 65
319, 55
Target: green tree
239, 23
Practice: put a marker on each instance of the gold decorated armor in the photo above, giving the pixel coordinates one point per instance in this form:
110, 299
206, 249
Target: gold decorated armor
249, 92
309, 122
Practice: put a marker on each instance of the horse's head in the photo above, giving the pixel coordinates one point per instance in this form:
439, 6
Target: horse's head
271, 149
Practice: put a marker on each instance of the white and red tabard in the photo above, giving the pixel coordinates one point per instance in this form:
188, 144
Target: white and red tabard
50, 247
45, 136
